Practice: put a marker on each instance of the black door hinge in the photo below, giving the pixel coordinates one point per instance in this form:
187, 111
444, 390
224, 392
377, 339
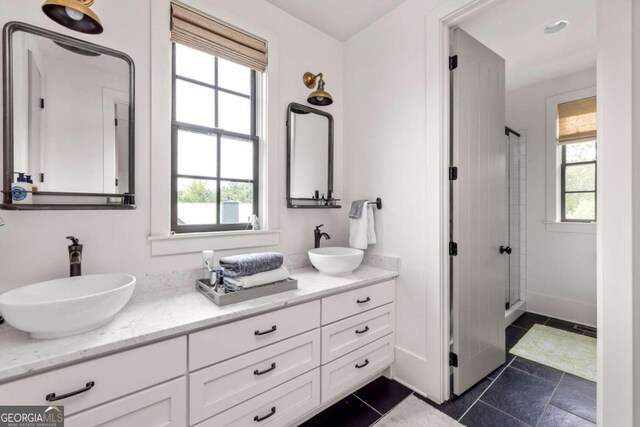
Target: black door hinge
453, 173
117, 182
116, 122
453, 359
42, 177
41, 102
453, 249
453, 62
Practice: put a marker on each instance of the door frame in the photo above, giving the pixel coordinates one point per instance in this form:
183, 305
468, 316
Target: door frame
615, 255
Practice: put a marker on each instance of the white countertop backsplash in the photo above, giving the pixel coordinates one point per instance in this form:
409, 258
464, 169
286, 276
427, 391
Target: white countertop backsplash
166, 305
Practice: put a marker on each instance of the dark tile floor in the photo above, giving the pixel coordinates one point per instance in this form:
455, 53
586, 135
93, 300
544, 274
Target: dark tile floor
520, 393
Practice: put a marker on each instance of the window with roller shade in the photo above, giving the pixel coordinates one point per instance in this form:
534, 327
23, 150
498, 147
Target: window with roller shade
577, 138
215, 145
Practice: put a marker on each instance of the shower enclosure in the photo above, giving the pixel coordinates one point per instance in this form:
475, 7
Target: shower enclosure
516, 204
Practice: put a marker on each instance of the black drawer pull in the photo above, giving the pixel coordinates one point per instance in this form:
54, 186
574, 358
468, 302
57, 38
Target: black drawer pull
273, 329
51, 397
366, 362
257, 372
366, 329
270, 414
367, 299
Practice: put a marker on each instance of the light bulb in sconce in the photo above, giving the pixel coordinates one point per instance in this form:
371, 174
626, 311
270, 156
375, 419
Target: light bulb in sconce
76, 15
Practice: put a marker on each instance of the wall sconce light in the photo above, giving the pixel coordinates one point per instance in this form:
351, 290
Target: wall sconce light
320, 96
73, 14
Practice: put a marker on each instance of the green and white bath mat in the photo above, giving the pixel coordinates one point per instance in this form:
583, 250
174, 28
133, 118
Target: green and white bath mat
567, 351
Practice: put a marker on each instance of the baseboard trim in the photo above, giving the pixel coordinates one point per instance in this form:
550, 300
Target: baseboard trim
561, 308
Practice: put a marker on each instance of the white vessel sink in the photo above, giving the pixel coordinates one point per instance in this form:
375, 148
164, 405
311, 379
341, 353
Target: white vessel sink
336, 261
63, 307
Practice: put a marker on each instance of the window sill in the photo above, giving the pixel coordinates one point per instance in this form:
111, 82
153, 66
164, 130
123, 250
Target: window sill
221, 240
571, 227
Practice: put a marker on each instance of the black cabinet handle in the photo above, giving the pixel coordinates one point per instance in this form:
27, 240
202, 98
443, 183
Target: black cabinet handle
51, 397
506, 249
270, 414
273, 329
366, 362
257, 372
367, 299
366, 329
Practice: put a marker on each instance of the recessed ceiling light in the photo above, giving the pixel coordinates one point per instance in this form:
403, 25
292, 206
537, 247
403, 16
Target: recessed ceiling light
555, 27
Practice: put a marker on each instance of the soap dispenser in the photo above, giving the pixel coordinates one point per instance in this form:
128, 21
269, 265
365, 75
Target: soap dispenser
21, 190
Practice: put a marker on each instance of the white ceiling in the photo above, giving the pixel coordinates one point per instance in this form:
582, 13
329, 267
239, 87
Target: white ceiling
338, 18
513, 29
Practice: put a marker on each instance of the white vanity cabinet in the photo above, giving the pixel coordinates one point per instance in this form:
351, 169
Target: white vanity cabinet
271, 369
358, 337
100, 380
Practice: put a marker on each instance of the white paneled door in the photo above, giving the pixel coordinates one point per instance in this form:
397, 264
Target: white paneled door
479, 223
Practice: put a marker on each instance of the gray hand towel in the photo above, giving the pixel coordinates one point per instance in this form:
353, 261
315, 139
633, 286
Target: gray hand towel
356, 209
246, 265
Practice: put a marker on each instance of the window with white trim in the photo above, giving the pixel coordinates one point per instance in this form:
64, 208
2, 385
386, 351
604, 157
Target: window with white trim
576, 136
214, 139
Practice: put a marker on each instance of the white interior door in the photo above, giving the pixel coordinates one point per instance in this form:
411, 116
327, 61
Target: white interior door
479, 223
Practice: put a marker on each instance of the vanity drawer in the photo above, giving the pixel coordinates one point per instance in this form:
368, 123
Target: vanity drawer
223, 342
349, 334
277, 407
219, 387
164, 405
113, 376
345, 373
347, 304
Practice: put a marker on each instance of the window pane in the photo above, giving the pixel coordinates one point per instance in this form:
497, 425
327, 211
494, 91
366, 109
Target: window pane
193, 64
196, 201
195, 104
580, 206
580, 177
237, 202
197, 154
235, 113
581, 152
234, 77
236, 159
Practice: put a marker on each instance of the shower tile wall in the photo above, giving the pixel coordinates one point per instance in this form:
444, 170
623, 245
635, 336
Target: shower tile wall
517, 217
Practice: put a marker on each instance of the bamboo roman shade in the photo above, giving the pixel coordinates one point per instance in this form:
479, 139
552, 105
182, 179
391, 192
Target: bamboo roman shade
577, 120
196, 30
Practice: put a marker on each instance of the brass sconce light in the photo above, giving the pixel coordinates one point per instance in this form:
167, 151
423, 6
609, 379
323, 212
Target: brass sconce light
320, 96
73, 14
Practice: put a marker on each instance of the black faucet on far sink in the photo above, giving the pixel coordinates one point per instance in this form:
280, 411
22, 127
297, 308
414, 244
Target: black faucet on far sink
75, 257
319, 235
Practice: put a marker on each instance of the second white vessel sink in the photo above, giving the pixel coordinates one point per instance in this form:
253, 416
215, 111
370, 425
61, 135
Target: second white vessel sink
336, 261
69, 306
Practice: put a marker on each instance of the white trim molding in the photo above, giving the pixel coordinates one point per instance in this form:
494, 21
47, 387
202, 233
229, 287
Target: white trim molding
223, 240
162, 241
553, 161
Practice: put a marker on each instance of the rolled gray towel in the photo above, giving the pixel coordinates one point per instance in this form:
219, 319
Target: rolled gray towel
356, 209
246, 265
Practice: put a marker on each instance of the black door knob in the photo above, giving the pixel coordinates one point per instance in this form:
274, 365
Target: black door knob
506, 249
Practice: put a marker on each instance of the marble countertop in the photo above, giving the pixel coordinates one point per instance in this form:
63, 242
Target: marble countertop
164, 312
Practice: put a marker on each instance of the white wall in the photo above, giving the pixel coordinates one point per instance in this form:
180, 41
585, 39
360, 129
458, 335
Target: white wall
386, 156
561, 266
33, 243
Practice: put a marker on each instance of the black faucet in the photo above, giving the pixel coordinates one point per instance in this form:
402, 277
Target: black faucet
319, 235
75, 257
